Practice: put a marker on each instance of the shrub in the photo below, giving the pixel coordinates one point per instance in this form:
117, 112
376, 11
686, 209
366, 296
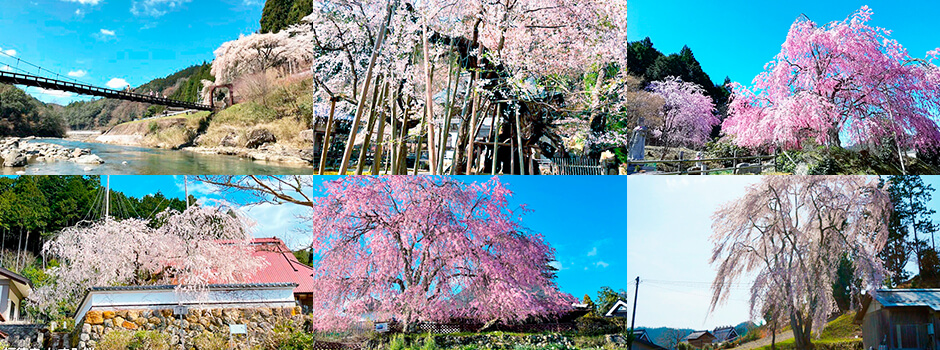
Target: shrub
429, 343
298, 341
211, 341
397, 343
115, 340
593, 326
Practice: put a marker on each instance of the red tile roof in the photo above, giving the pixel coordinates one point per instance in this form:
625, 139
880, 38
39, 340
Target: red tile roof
282, 265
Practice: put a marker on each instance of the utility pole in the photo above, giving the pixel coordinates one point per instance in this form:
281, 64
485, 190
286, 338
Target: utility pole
636, 292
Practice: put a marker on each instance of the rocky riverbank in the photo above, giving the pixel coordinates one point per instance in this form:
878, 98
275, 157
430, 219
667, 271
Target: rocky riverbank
258, 144
19, 152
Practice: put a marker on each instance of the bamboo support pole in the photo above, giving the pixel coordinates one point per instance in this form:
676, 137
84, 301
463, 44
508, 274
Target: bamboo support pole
403, 153
445, 132
347, 153
326, 136
429, 109
474, 106
495, 129
380, 138
519, 141
364, 149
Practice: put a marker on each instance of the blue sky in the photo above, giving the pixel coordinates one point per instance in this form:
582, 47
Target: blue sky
271, 220
668, 226
116, 41
735, 38
581, 217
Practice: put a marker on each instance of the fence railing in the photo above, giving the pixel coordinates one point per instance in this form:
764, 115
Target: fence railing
577, 166
700, 166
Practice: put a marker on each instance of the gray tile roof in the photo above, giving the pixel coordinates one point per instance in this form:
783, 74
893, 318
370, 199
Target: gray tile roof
211, 286
908, 298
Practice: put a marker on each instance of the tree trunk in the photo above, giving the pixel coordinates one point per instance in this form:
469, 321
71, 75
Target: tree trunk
802, 331
834, 141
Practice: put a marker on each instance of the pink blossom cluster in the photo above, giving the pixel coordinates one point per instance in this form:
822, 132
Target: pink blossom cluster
426, 248
845, 78
193, 248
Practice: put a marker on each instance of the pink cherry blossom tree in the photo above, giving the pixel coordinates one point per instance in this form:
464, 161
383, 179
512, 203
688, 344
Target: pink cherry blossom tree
424, 248
688, 115
791, 231
845, 78
193, 248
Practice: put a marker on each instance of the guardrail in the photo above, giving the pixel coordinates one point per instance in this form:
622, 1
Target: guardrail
704, 169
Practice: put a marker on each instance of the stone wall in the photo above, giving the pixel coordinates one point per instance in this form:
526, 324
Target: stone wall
259, 321
23, 335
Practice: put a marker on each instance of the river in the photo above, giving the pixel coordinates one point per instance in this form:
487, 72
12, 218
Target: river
132, 160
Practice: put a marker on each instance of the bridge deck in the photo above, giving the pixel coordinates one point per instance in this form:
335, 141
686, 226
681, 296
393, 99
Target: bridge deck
83, 89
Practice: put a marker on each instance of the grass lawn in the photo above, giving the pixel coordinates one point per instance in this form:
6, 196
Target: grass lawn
839, 334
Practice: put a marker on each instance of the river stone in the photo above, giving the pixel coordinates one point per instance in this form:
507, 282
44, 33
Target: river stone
17, 159
89, 159
229, 140
258, 137
307, 135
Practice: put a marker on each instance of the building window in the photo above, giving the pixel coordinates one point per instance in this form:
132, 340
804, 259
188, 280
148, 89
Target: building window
12, 310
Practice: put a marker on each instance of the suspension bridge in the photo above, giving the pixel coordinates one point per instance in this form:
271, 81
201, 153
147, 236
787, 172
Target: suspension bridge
78, 87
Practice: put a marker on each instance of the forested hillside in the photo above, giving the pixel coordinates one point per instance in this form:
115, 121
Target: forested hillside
649, 64
23, 115
278, 14
183, 85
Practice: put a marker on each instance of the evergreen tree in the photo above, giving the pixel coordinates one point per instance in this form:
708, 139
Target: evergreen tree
911, 196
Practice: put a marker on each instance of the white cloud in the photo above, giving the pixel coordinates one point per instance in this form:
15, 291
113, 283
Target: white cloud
78, 12
53, 93
78, 73
281, 221
85, 2
107, 32
155, 8
9, 52
593, 252
601, 264
6, 68
117, 83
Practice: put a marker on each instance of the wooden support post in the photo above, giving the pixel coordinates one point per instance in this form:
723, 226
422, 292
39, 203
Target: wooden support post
448, 107
474, 106
369, 126
495, 129
365, 88
326, 136
519, 141
380, 138
429, 103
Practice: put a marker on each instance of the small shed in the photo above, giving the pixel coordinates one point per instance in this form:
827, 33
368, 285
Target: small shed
725, 334
699, 339
900, 319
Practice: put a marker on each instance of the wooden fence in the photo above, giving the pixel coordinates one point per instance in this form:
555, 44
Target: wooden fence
577, 166
755, 164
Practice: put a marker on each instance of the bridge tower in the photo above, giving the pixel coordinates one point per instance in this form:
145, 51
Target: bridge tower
231, 94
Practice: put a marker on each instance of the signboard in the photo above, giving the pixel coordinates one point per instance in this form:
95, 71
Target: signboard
381, 327
237, 329
180, 310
